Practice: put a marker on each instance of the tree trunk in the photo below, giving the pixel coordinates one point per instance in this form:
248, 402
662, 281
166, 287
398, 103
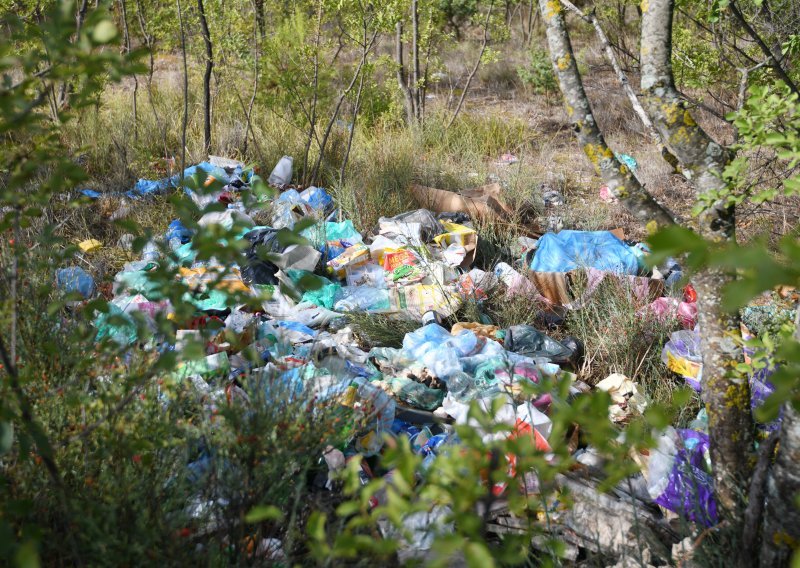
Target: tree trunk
408, 99
781, 533
727, 397
260, 22
415, 75
206, 77
618, 177
127, 47
185, 121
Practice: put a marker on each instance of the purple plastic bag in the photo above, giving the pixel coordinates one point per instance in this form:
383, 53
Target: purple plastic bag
690, 488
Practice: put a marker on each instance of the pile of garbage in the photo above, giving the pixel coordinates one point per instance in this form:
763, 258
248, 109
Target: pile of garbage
416, 266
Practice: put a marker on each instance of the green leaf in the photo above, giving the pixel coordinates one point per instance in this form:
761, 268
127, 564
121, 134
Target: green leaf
27, 556
288, 237
261, 513
673, 241
104, 32
6, 436
478, 555
316, 526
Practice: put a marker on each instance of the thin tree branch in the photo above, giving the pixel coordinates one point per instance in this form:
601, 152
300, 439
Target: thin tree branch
484, 43
776, 66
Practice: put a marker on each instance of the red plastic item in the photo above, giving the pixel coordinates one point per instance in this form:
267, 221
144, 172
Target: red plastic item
689, 294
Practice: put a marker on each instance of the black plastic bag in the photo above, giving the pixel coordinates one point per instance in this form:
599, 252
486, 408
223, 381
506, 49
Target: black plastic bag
528, 341
258, 270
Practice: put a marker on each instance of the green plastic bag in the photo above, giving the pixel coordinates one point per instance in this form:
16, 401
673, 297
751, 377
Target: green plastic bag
121, 333
324, 297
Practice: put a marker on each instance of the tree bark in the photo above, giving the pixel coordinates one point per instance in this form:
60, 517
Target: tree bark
402, 81
206, 77
415, 74
127, 40
260, 21
608, 51
617, 176
185, 122
781, 531
726, 396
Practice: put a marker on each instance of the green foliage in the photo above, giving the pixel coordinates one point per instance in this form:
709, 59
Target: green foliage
769, 121
456, 13
538, 74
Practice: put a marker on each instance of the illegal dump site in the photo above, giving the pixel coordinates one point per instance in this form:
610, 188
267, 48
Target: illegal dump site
403, 317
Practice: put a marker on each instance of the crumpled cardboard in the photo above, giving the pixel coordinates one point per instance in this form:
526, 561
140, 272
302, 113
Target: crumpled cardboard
482, 202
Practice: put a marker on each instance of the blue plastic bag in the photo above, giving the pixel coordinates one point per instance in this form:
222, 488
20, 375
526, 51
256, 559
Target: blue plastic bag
76, 279
178, 230
570, 250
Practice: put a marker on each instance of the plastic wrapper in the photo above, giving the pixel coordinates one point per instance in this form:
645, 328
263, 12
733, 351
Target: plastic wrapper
681, 355
352, 257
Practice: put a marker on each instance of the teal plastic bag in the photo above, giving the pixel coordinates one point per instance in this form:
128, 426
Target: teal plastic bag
121, 333
212, 300
322, 233
324, 297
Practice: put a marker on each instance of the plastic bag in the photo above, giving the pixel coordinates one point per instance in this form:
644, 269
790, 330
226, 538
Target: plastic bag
226, 219
420, 225
681, 355
528, 341
679, 478
76, 279
571, 250
257, 270
178, 230
415, 394
317, 198
324, 296
323, 234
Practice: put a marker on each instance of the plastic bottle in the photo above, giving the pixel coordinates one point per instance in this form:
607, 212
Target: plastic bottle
282, 174
150, 253
363, 298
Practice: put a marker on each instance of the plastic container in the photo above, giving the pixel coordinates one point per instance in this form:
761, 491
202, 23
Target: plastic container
282, 173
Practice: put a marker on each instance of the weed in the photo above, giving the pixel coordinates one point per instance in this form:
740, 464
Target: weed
622, 336
375, 330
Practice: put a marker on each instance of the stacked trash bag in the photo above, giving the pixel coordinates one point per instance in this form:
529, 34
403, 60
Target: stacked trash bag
418, 266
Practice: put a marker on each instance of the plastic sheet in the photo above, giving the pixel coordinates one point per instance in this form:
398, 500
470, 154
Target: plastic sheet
571, 250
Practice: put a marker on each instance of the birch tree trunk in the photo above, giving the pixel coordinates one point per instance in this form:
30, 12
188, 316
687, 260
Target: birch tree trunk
726, 396
617, 176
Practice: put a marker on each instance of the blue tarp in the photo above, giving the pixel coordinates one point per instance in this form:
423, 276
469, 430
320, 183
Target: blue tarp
570, 250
